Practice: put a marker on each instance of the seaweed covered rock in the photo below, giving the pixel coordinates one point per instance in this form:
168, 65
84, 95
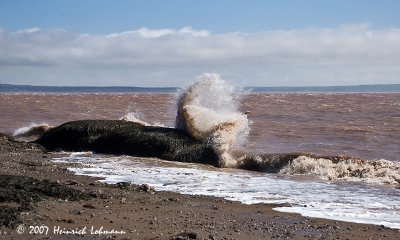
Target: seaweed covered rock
123, 137
6, 137
25, 191
8, 145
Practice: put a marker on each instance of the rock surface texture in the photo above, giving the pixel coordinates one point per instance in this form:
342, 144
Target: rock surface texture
123, 137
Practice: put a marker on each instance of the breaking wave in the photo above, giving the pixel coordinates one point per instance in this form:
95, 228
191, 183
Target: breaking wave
208, 111
33, 130
352, 169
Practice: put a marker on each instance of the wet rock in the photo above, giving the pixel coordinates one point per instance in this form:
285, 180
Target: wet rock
127, 186
25, 191
9, 216
8, 145
22, 189
6, 137
122, 137
185, 236
146, 188
94, 194
90, 206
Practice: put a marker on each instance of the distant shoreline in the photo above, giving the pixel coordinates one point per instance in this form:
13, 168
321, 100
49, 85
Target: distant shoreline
378, 88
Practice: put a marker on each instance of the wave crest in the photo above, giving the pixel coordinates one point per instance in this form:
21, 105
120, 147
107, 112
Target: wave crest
353, 169
208, 111
34, 129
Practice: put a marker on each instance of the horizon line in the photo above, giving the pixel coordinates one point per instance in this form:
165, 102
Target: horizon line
116, 86
373, 88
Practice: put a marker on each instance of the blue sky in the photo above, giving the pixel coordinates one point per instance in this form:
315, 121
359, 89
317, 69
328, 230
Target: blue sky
169, 43
107, 16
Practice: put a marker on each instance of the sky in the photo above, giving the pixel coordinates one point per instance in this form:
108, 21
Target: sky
168, 43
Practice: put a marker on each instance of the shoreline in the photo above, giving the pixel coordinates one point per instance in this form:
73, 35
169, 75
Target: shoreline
129, 211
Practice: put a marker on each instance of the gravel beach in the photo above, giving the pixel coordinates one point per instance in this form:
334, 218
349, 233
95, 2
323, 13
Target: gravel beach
40, 199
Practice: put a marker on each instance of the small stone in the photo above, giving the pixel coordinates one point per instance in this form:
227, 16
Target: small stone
94, 194
90, 206
72, 183
146, 188
126, 185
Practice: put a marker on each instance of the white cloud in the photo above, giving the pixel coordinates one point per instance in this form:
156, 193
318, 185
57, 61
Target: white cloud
144, 32
151, 33
29, 30
354, 54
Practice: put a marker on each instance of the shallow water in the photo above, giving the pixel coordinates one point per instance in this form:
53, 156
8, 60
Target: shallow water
307, 195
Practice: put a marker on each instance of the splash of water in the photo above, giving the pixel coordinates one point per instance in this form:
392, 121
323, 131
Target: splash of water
208, 111
34, 129
138, 118
134, 117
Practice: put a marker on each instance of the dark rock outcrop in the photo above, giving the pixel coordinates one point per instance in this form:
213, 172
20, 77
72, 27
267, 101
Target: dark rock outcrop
8, 145
25, 191
123, 137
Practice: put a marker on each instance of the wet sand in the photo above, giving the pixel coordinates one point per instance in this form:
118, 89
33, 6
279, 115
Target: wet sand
128, 211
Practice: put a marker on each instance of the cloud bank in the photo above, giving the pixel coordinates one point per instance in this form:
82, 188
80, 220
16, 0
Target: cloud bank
348, 55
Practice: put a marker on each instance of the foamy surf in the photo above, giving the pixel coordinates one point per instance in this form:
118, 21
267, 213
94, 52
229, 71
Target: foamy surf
350, 169
345, 201
329, 168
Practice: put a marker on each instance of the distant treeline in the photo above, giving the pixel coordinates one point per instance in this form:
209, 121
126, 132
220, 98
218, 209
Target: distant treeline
380, 88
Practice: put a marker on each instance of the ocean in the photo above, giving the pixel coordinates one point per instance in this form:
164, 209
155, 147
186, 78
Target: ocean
360, 130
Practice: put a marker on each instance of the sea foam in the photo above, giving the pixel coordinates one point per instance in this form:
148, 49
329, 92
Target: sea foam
346, 201
350, 169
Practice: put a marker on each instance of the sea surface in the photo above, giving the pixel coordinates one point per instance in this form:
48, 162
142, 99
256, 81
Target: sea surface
361, 125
